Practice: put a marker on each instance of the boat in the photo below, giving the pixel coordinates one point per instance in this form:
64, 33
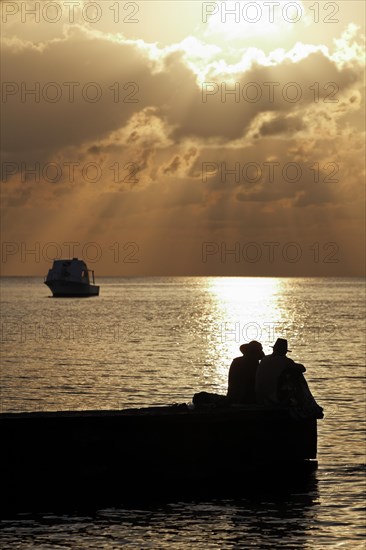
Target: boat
71, 278
109, 457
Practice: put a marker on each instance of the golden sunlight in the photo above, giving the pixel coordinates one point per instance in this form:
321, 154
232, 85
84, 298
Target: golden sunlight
237, 20
244, 309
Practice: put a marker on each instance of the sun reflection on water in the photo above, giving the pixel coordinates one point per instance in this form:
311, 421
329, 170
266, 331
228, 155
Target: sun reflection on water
243, 309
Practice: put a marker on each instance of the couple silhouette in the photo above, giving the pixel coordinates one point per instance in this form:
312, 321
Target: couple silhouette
270, 380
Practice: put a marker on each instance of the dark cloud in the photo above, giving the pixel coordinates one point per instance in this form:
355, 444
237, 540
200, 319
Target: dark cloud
173, 166
282, 125
171, 89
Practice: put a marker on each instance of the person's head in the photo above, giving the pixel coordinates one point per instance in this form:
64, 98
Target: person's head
253, 348
280, 347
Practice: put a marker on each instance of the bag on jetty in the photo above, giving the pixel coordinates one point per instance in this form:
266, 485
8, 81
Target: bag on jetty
294, 393
205, 399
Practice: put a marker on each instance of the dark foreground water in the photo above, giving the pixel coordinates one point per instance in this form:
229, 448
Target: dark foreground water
158, 341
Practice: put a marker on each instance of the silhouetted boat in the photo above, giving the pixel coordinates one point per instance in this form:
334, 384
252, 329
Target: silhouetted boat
106, 457
71, 278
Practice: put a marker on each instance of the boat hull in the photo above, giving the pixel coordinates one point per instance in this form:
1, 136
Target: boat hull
109, 457
71, 289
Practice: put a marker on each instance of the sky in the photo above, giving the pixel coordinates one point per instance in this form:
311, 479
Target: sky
183, 138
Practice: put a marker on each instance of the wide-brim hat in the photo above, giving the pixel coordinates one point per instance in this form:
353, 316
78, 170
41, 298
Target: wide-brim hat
251, 346
281, 345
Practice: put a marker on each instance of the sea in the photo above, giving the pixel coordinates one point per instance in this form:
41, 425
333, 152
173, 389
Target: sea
158, 341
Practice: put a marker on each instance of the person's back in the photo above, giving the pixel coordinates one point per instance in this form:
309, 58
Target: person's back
269, 373
242, 374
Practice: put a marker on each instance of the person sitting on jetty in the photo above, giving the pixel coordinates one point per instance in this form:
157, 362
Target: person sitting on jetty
242, 374
269, 373
280, 381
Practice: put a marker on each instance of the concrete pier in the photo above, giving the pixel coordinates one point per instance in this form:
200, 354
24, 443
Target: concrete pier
66, 458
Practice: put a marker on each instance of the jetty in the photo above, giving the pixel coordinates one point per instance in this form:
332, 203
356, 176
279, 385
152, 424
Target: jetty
108, 457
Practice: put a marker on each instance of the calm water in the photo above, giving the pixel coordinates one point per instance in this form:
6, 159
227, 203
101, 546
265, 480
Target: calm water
160, 340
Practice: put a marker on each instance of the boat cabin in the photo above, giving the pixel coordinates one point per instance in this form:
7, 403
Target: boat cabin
71, 270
